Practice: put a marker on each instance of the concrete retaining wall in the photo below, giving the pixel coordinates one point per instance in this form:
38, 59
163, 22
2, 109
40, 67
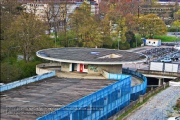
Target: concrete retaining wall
43, 68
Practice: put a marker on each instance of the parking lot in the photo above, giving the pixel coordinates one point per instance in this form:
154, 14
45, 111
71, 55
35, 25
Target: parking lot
159, 54
155, 54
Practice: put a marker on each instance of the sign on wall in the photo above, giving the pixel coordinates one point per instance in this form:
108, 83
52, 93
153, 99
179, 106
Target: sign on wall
156, 66
169, 67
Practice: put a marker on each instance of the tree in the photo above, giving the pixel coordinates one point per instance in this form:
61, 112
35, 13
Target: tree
131, 22
9, 10
150, 25
29, 33
131, 38
177, 15
86, 26
176, 23
122, 28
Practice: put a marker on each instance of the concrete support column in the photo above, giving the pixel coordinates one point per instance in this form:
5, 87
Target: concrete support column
160, 82
141, 98
152, 88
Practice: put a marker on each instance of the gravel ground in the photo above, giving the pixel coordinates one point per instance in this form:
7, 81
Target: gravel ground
159, 107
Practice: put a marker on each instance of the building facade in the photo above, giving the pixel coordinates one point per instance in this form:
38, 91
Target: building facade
90, 60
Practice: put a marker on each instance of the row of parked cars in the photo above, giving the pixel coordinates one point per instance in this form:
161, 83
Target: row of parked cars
171, 57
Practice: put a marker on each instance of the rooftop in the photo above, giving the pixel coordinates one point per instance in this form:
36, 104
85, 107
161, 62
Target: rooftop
90, 55
37, 99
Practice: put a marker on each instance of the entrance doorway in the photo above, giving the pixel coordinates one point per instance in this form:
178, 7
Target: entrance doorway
81, 67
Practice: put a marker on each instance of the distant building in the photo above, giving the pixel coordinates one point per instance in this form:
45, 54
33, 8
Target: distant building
71, 5
152, 42
39, 9
90, 60
56, 12
166, 13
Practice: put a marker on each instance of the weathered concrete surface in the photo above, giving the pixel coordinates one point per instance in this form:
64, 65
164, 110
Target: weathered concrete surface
34, 100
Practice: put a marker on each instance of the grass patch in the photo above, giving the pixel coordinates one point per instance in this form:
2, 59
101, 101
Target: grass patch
167, 38
139, 104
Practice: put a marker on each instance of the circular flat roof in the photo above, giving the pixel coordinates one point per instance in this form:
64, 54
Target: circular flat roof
90, 55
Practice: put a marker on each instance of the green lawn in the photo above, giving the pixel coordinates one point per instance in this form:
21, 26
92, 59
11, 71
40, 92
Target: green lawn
167, 38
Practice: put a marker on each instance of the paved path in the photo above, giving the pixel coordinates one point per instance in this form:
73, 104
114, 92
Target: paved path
158, 107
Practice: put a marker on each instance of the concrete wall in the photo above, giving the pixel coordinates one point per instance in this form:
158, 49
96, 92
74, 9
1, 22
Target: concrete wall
94, 69
97, 69
171, 83
105, 74
43, 68
42, 71
65, 67
112, 68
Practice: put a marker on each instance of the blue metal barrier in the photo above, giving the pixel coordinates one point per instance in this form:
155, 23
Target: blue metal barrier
104, 103
26, 81
96, 106
137, 90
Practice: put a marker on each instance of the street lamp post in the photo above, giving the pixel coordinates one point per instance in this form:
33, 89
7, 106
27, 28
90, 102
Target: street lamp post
176, 34
119, 37
8, 61
55, 38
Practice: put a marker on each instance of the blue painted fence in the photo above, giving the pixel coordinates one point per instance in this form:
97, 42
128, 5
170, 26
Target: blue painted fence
117, 76
137, 90
26, 81
96, 106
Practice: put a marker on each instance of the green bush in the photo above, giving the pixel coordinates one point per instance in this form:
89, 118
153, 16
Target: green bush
173, 29
28, 69
16, 70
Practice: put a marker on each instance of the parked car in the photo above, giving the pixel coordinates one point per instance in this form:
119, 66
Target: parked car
174, 118
166, 59
177, 47
174, 57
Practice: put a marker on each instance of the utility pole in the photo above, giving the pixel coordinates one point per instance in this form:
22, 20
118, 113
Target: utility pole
138, 11
119, 38
138, 23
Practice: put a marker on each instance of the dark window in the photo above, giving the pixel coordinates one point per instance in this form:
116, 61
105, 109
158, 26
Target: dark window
85, 66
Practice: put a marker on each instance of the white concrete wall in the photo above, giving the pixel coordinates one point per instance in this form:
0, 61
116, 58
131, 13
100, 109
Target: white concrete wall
78, 67
70, 67
42, 71
105, 74
40, 68
171, 83
153, 42
85, 70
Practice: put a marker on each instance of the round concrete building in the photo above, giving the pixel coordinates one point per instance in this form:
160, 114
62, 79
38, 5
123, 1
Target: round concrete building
90, 60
